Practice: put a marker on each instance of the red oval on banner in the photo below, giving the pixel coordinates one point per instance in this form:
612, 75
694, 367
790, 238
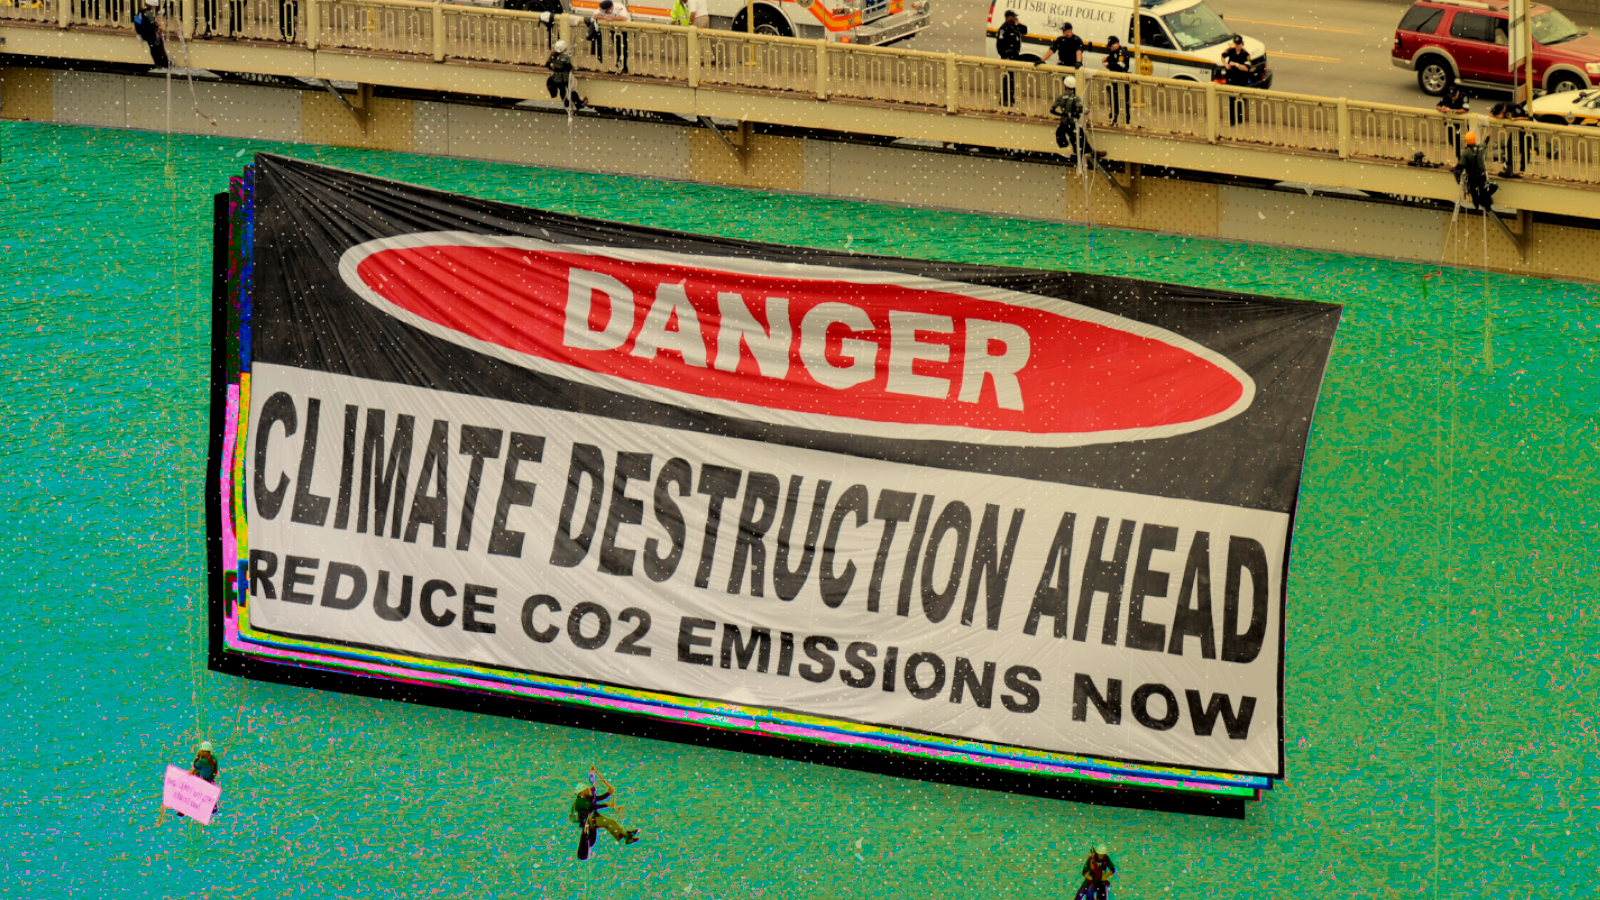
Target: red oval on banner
852, 344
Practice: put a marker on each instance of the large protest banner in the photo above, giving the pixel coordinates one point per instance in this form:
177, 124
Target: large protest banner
1044, 511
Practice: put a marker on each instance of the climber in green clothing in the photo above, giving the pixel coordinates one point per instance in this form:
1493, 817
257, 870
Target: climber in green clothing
586, 807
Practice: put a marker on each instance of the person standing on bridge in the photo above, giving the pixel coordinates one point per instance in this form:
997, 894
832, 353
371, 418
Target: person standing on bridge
1068, 49
1119, 60
1008, 43
1236, 72
1454, 106
614, 13
1515, 143
147, 25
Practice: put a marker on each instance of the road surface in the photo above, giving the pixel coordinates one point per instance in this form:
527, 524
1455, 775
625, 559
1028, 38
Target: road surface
1338, 49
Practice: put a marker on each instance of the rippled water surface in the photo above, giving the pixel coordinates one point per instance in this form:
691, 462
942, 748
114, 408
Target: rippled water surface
1441, 691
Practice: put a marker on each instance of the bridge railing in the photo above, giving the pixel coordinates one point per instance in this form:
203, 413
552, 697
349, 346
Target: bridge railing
399, 27
930, 83
884, 74
1554, 152
30, 12
278, 21
102, 13
493, 36
757, 62
1161, 106
1397, 133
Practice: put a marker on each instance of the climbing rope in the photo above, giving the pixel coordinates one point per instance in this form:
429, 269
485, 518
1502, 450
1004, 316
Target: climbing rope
188, 73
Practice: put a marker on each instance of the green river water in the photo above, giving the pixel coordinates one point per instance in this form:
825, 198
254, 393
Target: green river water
1442, 638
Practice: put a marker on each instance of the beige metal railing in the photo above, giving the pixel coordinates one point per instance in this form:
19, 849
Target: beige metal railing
1164, 106
1278, 120
815, 71
254, 20
1555, 152
42, 12
638, 50
1397, 133
996, 87
884, 74
508, 38
759, 62
103, 13
392, 26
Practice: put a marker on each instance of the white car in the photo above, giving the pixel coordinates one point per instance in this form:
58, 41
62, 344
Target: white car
1568, 108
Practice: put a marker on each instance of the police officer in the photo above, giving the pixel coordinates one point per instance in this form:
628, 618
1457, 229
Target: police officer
1068, 48
1008, 43
1236, 71
1453, 103
1515, 144
1118, 59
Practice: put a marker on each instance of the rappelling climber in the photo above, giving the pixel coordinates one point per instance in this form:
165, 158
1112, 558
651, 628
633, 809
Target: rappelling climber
147, 25
586, 813
560, 80
1070, 131
205, 764
1472, 173
1097, 872
205, 767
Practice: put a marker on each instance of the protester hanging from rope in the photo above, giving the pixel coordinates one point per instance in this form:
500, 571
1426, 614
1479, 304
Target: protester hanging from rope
1472, 172
1097, 872
560, 80
586, 806
147, 25
205, 767
1070, 131
205, 764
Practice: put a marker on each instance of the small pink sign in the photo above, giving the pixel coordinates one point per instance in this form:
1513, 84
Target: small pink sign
191, 795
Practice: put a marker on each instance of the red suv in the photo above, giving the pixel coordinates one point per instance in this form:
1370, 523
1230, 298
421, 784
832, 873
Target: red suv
1465, 41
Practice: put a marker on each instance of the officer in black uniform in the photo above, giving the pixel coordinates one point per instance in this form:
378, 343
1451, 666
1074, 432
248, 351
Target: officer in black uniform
1236, 71
1068, 49
1118, 59
1008, 43
1453, 103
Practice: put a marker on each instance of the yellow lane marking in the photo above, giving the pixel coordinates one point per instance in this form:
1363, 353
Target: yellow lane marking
1279, 54
1307, 27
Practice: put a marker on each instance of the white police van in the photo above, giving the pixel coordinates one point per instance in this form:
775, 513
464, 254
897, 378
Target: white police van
1181, 38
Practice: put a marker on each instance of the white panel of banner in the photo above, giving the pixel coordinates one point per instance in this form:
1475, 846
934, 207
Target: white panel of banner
700, 610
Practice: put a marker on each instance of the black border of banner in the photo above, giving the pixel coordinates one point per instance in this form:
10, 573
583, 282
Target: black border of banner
217, 596
878, 762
